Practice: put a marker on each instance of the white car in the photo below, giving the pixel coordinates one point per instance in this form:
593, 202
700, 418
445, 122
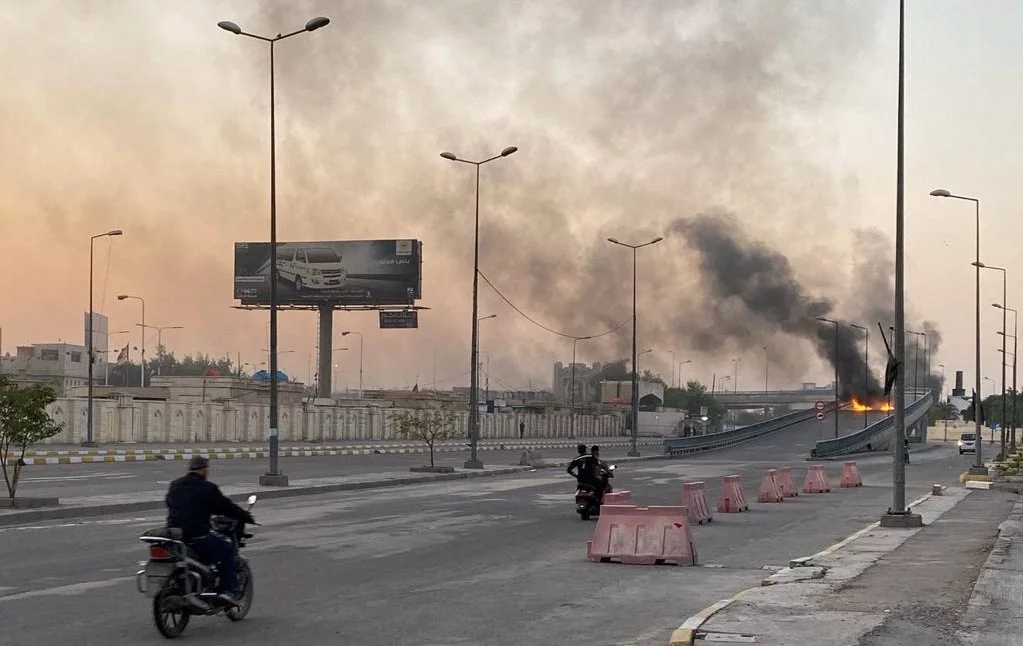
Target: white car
967, 443
311, 268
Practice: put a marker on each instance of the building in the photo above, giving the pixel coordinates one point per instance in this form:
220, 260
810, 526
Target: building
587, 389
60, 365
651, 394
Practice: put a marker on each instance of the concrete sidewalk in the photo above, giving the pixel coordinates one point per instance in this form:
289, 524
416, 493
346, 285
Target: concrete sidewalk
888, 587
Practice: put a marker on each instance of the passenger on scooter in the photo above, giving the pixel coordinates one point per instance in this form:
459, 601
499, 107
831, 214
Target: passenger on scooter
585, 469
601, 472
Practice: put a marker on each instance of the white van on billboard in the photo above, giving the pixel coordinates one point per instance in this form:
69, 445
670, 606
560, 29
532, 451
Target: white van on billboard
311, 268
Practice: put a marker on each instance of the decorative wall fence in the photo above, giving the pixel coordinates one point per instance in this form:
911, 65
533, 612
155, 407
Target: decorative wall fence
128, 420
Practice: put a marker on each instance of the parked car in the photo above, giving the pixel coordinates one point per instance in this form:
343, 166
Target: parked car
967, 443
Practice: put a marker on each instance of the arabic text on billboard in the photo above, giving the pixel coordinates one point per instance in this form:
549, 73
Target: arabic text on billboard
353, 272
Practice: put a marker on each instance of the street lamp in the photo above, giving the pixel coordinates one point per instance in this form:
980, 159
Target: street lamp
361, 344
735, 374
635, 373
159, 338
1004, 330
571, 414
1015, 340
273, 477
978, 461
681, 375
474, 461
916, 361
142, 368
866, 368
835, 323
89, 441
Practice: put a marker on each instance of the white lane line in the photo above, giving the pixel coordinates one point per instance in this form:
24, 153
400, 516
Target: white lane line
71, 590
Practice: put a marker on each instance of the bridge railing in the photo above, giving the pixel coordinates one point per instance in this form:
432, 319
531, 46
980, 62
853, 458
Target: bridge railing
856, 442
695, 443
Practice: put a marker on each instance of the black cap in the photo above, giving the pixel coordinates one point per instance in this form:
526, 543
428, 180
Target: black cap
198, 462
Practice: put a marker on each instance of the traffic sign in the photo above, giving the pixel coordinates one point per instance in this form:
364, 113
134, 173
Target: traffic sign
819, 406
820, 416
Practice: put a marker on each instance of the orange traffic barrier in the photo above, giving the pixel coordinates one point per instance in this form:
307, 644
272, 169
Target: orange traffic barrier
642, 536
816, 480
731, 499
769, 491
695, 500
785, 483
622, 497
851, 475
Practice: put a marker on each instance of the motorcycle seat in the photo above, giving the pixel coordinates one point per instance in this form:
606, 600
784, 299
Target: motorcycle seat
170, 533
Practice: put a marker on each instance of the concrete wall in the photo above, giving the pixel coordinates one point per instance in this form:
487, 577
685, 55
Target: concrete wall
128, 420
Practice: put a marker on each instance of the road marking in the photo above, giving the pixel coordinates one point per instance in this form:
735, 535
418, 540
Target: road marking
70, 590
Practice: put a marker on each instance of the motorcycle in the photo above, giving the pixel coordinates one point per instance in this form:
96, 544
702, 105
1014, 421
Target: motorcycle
180, 585
586, 502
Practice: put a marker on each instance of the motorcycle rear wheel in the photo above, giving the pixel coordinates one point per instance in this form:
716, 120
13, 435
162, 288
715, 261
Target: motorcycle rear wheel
244, 592
170, 623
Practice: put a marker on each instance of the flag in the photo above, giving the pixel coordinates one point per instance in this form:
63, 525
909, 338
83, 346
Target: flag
891, 373
122, 356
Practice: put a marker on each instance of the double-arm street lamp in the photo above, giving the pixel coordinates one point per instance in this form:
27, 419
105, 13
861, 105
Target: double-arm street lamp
89, 440
835, 360
142, 346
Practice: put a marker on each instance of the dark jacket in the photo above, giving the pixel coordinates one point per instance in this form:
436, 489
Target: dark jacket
191, 500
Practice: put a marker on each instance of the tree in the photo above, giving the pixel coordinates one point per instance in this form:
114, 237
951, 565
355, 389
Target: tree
693, 397
23, 422
427, 426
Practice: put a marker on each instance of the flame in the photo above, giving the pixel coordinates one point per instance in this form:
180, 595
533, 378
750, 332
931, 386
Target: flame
859, 407
886, 407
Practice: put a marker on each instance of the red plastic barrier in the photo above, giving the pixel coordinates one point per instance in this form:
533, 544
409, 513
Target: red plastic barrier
769, 491
851, 475
731, 499
785, 483
622, 497
642, 536
695, 500
816, 480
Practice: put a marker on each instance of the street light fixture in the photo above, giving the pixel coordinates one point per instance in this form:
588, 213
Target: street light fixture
978, 460
273, 477
681, 375
835, 323
866, 368
1004, 348
634, 452
474, 461
1015, 394
142, 367
361, 345
89, 440
159, 338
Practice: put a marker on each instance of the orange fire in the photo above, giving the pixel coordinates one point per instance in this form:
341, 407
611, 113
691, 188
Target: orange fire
860, 407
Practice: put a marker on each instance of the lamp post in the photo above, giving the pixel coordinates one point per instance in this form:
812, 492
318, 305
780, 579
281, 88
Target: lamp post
486, 383
944, 408
681, 377
474, 461
767, 366
735, 373
835, 323
89, 441
361, 341
978, 461
1015, 340
634, 452
916, 362
1004, 348
142, 367
159, 338
571, 415
273, 477
866, 368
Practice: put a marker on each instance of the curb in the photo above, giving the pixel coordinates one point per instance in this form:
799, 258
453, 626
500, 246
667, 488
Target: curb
19, 517
927, 446
685, 635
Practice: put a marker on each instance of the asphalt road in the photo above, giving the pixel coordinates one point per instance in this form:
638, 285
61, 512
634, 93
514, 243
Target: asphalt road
494, 561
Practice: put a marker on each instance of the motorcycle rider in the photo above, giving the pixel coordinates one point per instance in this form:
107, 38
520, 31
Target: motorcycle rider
601, 472
191, 500
575, 467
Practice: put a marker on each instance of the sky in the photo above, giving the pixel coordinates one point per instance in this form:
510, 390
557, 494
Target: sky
629, 118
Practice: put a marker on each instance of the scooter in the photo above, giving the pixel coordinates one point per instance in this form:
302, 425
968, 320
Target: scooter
586, 502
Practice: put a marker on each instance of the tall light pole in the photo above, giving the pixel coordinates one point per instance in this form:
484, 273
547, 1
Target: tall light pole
634, 452
89, 441
835, 323
142, 367
866, 368
159, 338
916, 361
767, 366
486, 386
361, 341
571, 415
735, 373
681, 375
474, 461
1015, 340
1004, 348
273, 477
978, 461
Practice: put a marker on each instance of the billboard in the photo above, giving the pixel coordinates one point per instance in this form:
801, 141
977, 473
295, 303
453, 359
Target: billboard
100, 334
352, 272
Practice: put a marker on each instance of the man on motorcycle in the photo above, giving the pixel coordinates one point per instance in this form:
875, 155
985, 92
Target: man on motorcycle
576, 466
601, 471
191, 500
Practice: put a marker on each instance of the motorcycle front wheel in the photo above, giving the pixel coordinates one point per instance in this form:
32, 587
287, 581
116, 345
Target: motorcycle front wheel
244, 592
171, 618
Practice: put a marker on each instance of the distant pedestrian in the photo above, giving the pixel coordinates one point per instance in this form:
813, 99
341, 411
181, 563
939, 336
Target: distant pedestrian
522, 430
905, 451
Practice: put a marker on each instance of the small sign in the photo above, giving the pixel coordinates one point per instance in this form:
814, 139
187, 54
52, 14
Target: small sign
405, 319
819, 406
820, 416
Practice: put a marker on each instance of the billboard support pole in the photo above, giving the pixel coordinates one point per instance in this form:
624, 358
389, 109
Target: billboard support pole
326, 314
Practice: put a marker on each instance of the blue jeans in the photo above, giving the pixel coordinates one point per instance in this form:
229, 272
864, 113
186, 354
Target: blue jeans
213, 549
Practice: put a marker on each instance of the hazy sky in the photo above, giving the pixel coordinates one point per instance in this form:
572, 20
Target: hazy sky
142, 115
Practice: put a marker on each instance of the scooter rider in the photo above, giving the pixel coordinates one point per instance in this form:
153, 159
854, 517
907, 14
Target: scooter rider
191, 500
577, 466
601, 472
